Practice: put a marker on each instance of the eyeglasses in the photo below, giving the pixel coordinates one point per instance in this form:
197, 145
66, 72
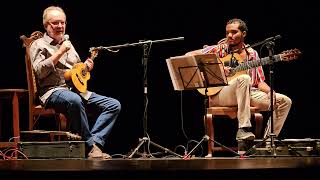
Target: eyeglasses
57, 23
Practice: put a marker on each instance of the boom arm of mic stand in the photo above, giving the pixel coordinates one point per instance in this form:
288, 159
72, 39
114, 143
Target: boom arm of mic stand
134, 44
270, 39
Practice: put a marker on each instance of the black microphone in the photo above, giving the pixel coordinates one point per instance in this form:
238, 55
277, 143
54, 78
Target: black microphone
272, 38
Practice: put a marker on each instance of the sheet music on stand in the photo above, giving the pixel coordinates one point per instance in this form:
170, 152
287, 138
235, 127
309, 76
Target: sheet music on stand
194, 72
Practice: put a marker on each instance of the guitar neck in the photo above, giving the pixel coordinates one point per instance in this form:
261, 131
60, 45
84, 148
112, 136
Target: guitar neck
93, 56
255, 63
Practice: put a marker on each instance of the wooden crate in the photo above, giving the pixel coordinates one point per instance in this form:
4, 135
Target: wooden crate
52, 150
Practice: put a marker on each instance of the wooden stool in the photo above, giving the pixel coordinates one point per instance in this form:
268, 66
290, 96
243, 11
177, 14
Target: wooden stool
14, 95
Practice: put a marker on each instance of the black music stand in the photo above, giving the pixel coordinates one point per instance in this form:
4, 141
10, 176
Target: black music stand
197, 72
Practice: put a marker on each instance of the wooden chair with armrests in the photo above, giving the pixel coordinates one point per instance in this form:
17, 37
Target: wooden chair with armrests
225, 111
35, 108
231, 113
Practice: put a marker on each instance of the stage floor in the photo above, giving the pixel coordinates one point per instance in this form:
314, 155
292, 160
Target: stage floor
160, 168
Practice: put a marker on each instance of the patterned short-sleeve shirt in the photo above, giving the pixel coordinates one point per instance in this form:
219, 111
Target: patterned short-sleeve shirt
222, 50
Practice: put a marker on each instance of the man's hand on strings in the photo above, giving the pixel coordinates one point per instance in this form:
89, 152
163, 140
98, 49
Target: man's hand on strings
227, 70
89, 63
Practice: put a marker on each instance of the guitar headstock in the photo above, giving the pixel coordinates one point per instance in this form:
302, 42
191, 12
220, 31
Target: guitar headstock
289, 55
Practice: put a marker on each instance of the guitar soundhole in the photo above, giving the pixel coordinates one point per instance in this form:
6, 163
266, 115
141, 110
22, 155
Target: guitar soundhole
83, 72
234, 62
80, 80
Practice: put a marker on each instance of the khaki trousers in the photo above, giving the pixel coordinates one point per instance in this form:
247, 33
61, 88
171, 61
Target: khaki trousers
239, 93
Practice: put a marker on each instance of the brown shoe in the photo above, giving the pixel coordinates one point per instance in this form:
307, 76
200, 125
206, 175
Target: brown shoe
96, 153
106, 156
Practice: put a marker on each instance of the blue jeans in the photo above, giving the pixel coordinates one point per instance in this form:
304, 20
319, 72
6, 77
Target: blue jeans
76, 109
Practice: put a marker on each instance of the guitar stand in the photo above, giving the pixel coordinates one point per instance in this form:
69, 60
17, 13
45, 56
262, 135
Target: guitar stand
148, 141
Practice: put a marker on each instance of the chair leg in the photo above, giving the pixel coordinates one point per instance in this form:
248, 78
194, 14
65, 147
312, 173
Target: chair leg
259, 123
208, 124
62, 120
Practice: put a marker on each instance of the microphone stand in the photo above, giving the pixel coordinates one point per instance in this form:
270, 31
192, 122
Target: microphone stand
272, 136
146, 45
270, 44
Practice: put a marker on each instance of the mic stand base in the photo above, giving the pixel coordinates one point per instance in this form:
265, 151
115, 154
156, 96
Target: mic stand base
271, 137
270, 44
146, 140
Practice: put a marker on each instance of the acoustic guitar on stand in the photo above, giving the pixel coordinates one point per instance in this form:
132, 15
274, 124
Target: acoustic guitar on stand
243, 66
78, 76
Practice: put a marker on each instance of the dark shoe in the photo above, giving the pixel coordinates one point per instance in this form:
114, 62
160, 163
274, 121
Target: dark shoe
245, 134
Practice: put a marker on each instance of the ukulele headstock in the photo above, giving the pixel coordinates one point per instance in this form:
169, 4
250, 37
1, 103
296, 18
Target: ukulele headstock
94, 53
